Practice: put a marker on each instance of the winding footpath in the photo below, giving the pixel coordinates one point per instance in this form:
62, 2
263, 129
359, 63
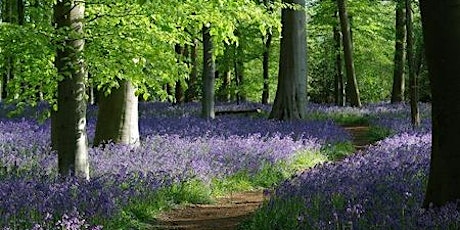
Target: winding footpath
227, 212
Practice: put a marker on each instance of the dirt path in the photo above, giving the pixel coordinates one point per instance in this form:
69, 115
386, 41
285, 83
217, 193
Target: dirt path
230, 210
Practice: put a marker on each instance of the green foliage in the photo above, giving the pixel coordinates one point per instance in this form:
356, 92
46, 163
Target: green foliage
377, 133
338, 151
345, 118
373, 43
277, 214
269, 175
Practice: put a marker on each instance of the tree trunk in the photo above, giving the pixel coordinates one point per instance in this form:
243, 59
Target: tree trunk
441, 30
224, 94
266, 67
191, 92
291, 96
207, 111
10, 13
21, 12
339, 86
352, 84
117, 118
415, 114
72, 145
239, 74
397, 94
182, 53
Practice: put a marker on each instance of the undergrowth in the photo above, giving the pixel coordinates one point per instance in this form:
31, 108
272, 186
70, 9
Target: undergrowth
138, 213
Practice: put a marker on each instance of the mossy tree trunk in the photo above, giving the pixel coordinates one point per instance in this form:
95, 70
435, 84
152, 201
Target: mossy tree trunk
397, 94
415, 114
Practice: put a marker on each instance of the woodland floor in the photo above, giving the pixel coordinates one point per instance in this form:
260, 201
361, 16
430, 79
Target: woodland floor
227, 212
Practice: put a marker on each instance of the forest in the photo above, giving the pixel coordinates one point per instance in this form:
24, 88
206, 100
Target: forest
229, 114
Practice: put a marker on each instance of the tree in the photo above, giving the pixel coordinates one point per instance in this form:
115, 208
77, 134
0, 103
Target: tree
339, 86
441, 32
290, 99
415, 114
191, 91
208, 100
12, 11
266, 67
267, 40
117, 118
397, 94
352, 84
72, 145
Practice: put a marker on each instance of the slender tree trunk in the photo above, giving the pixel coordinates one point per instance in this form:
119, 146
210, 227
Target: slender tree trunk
441, 30
339, 86
352, 84
21, 12
208, 111
72, 145
239, 73
415, 114
191, 92
224, 90
182, 53
117, 118
290, 100
266, 67
9, 14
179, 93
397, 94
227, 79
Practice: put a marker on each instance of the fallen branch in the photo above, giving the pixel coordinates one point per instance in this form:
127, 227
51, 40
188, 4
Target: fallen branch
243, 111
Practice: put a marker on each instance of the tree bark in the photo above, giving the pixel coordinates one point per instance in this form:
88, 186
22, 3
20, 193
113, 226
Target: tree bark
72, 145
397, 94
266, 67
191, 92
441, 30
291, 96
339, 86
239, 73
208, 99
224, 94
117, 118
352, 84
415, 114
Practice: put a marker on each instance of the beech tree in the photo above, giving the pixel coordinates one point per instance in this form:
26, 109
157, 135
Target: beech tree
352, 84
415, 114
117, 118
291, 97
12, 11
339, 86
441, 32
208, 100
397, 94
72, 143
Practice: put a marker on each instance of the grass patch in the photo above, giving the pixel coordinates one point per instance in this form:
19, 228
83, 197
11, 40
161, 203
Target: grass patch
377, 133
276, 214
338, 151
346, 119
139, 212
268, 176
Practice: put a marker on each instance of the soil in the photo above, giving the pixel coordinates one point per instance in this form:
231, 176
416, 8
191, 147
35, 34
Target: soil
228, 211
